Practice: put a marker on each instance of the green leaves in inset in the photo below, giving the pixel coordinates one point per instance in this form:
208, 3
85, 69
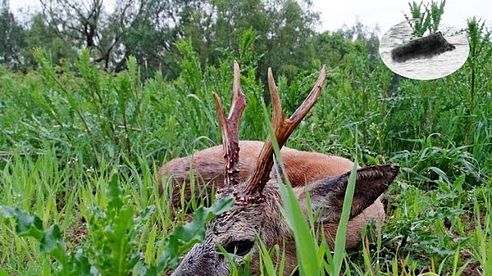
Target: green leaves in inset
423, 18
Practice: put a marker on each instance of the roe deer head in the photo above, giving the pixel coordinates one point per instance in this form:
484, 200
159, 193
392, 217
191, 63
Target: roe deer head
256, 210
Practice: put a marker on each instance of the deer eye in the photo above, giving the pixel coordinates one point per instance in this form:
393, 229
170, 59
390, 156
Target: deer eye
240, 248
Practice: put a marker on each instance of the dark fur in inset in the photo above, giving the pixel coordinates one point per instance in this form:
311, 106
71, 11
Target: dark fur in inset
431, 45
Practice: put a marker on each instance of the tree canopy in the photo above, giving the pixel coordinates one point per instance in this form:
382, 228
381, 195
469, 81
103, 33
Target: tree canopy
282, 33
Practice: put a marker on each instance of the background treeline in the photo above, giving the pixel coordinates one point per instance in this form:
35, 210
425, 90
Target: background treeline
283, 32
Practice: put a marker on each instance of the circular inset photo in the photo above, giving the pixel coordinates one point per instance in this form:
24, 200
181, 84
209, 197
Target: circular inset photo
429, 57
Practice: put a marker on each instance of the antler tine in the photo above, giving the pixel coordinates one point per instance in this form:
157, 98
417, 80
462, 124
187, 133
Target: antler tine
230, 129
277, 113
283, 129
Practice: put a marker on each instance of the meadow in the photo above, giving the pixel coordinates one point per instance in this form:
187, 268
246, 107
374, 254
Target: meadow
80, 147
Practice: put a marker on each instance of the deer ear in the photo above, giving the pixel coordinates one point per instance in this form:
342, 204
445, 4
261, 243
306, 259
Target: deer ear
327, 195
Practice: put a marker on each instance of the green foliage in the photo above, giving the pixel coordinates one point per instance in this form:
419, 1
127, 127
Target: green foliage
12, 38
66, 126
113, 233
425, 17
150, 30
50, 242
480, 52
431, 164
480, 240
39, 35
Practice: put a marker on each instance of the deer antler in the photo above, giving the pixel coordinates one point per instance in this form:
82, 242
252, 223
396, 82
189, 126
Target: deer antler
283, 128
230, 128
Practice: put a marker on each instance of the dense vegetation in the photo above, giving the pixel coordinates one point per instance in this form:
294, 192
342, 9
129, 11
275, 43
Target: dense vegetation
81, 138
148, 30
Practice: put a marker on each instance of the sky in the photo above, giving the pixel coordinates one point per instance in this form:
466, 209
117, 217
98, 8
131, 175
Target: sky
382, 13
386, 13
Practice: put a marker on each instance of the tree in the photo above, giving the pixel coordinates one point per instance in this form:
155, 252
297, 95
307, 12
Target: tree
292, 29
154, 33
11, 37
87, 24
149, 29
282, 29
38, 34
363, 34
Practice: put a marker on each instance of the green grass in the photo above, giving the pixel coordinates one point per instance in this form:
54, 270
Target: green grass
66, 131
105, 231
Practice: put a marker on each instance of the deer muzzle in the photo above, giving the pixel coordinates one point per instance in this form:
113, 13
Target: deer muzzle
202, 260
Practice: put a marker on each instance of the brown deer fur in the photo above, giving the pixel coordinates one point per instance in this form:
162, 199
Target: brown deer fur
301, 167
207, 166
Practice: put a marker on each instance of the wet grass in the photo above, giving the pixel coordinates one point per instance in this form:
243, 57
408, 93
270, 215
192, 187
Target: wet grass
66, 131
